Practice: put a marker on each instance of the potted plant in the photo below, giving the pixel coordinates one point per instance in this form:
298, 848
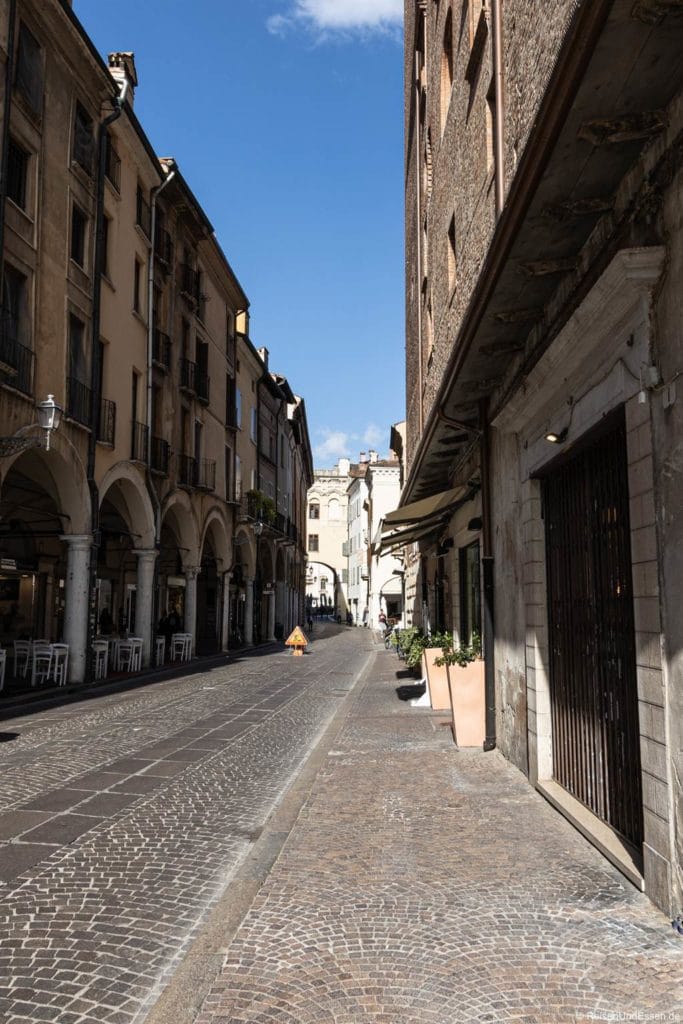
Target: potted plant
435, 671
412, 642
261, 507
465, 669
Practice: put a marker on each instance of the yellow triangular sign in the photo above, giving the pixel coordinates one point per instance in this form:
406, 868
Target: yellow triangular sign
296, 638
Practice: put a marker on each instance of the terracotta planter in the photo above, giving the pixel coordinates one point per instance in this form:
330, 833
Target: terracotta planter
466, 684
437, 678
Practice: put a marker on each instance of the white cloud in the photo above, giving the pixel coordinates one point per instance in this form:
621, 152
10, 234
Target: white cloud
325, 16
373, 436
335, 445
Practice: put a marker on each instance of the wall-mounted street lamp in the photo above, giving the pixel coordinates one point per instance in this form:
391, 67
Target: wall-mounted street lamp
257, 527
49, 418
557, 437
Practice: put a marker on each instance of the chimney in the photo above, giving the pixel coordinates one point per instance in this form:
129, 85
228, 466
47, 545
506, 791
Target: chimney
373, 455
343, 467
264, 353
122, 69
362, 458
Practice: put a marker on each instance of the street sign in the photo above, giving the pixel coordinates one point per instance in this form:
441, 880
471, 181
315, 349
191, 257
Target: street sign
297, 641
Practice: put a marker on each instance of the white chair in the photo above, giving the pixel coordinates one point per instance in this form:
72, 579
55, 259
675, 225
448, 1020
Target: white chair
60, 663
178, 646
159, 650
41, 663
137, 653
3, 659
101, 657
125, 655
188, 646
22, 656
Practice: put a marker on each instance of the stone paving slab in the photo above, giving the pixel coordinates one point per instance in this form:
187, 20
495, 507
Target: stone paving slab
92, 924
425, 885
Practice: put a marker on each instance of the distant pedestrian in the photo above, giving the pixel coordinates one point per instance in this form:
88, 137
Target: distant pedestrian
309, 623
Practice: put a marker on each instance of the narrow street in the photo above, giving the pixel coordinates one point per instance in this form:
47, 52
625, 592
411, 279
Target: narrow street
124, 817
283, 840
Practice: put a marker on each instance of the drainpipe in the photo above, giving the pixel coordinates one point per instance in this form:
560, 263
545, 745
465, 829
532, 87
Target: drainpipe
487, 567
418, 243
95, 365
7, 110
150, 351
497, 18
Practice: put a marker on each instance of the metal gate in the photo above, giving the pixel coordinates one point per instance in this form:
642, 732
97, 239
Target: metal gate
593, 690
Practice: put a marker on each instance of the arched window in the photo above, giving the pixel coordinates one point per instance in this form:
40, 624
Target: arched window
333, 509
446, 69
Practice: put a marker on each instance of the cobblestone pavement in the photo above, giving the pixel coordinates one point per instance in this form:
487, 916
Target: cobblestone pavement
122, 820
423, 884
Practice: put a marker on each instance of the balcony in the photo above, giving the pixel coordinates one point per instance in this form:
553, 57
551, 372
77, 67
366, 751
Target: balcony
106, 425
190, 280
206, 474
187, 470
201, 383
160, 456
143, 214
163, 246
187, 375
139, 441
161, 349
78, 401
16, 361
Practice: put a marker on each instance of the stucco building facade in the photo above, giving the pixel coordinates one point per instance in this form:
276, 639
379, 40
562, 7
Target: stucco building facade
118, 300
544, 251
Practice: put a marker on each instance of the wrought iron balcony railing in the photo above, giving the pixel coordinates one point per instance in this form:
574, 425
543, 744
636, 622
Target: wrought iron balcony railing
187, 470
187, 375
106, 425
160, 455
161, 349
139, 441
206, 474
78, 401
16, 361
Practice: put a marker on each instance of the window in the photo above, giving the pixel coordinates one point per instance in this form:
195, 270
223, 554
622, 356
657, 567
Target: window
112, 163
238, 478
333, 509
253, 428
238, 409
29, 74
137, 286
314, 510
82, 151
470, 593
451, 256
15, 311
228, 473
17, 173
230, 401
313, 542
79, 226
446, 69
77, 364
143, 213
106, 224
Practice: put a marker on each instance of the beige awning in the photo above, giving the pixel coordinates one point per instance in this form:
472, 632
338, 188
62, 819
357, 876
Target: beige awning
397, 538
425, 508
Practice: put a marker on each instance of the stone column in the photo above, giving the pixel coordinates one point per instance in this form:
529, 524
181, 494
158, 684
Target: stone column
271, 616
144, 600
76, 601
249, 611
191, 574
281, 615
225, 621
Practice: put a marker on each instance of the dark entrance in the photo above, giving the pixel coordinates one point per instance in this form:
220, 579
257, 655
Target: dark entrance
594, 704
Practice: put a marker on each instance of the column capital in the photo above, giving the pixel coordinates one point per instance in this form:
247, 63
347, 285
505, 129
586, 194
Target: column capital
190, 572
80, 541
145, 554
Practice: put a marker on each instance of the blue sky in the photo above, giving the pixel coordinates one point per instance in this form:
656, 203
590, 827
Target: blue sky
285, 117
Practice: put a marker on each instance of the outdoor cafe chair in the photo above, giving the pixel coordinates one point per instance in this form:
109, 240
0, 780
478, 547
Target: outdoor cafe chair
179, 647
41, 663
159, 650
101, 652
125, 656
22, 651
136, 663
60, 663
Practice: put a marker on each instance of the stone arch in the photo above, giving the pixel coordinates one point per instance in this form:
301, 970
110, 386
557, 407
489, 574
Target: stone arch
124, 487
61, 474
178, 515
245, 551
215, 528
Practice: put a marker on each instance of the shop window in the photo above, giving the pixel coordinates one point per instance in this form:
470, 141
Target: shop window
470, 592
